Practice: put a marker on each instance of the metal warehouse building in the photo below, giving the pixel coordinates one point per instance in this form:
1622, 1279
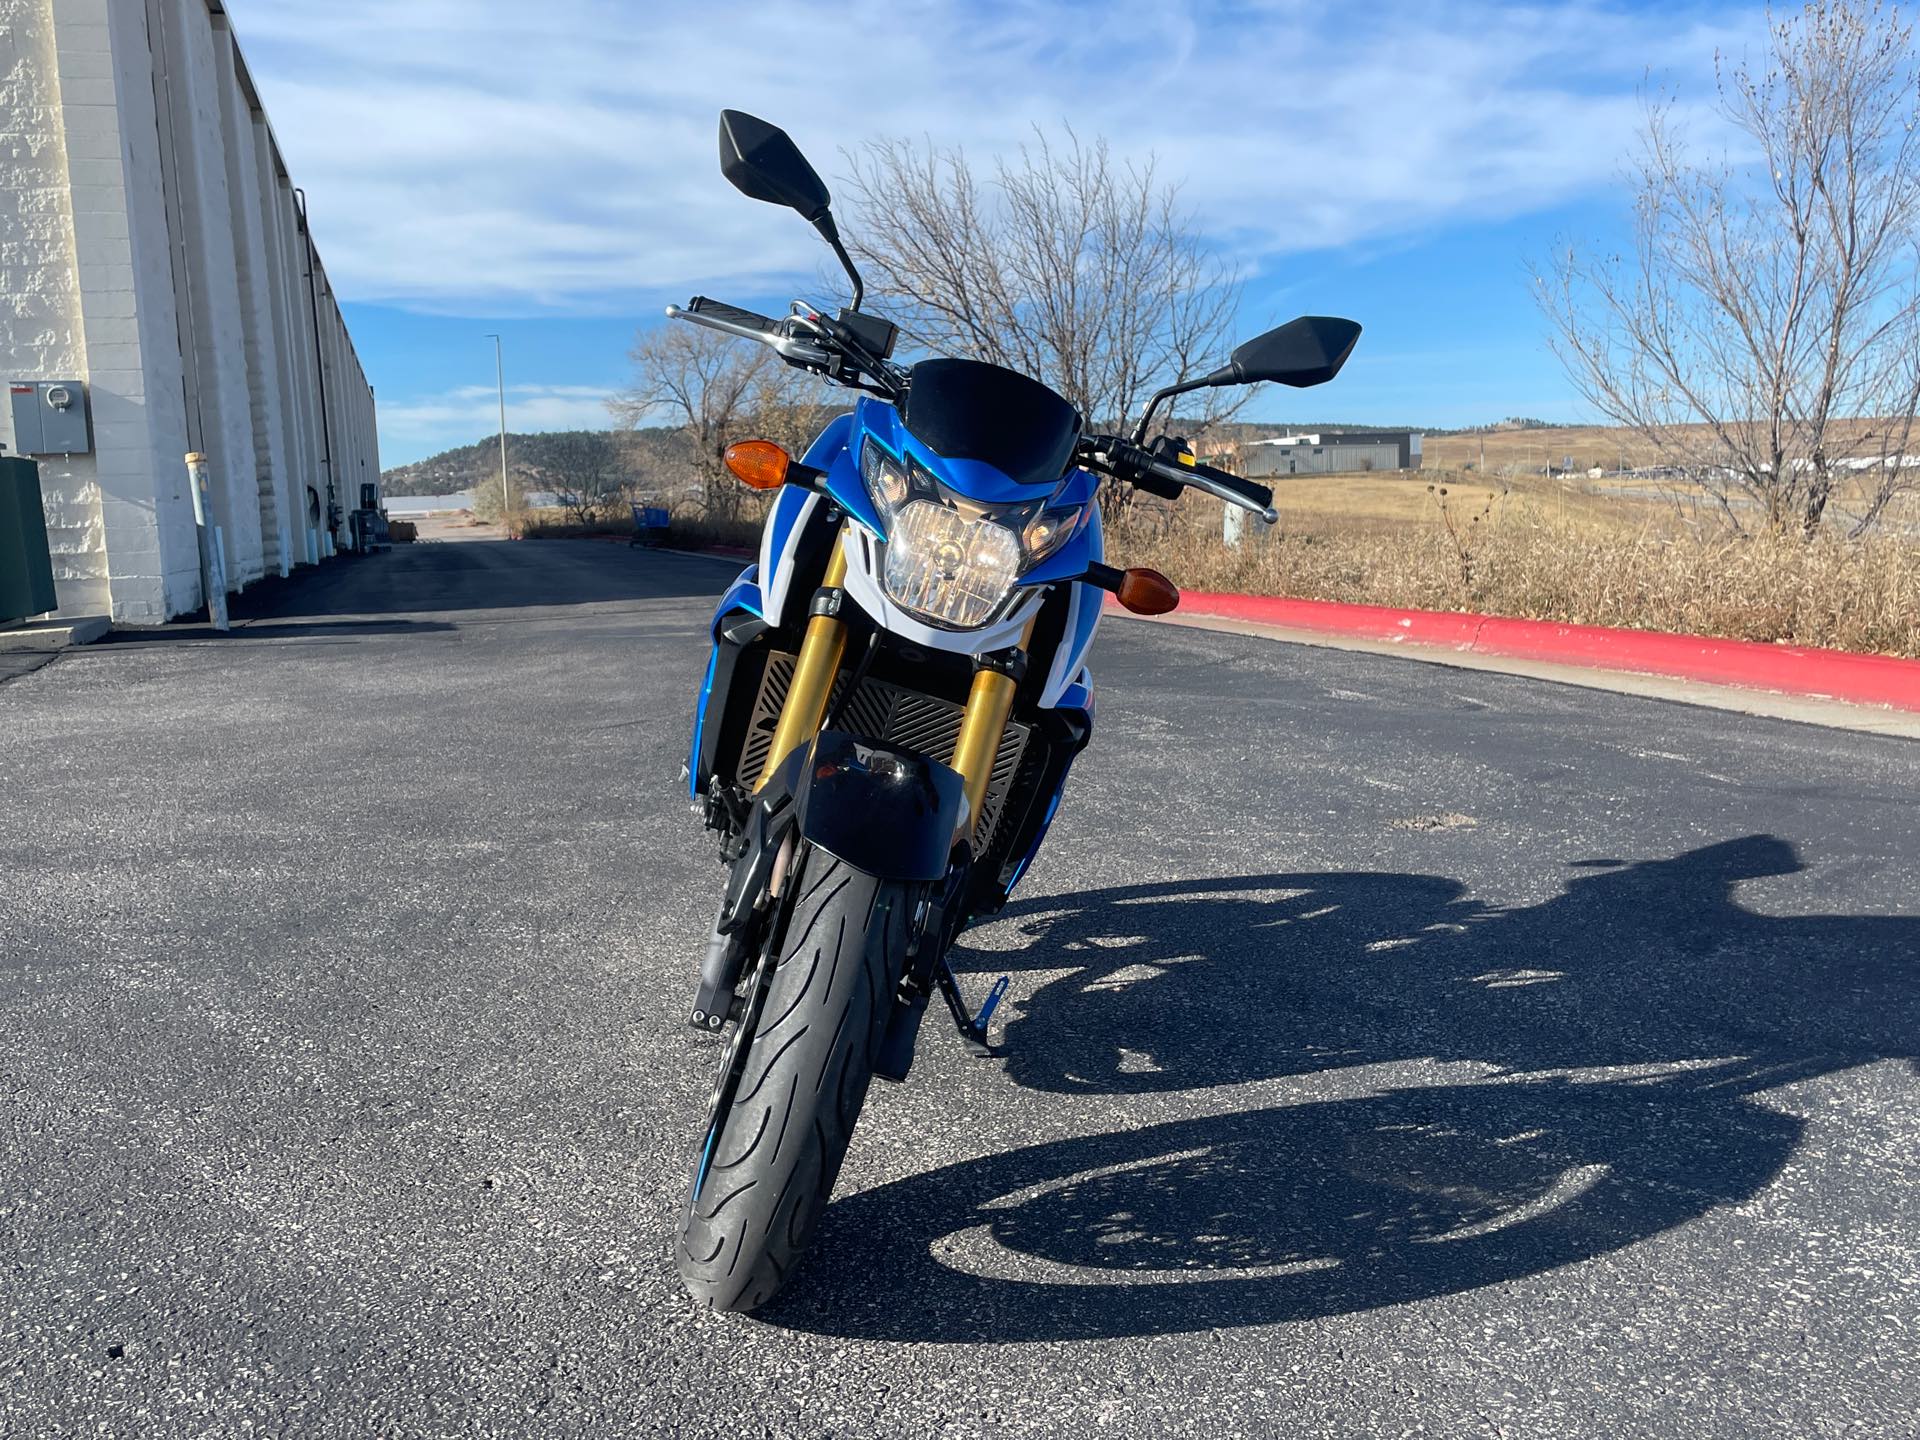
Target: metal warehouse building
160, 294
1330, 453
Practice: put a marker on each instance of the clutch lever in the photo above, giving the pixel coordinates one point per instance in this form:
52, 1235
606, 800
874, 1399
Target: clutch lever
774, 334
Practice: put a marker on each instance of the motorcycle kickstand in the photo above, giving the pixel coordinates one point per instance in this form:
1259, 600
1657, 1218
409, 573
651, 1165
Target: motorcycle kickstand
972, 1028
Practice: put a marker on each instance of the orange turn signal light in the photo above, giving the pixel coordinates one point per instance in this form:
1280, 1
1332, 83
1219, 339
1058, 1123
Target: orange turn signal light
758, 464
1147, 592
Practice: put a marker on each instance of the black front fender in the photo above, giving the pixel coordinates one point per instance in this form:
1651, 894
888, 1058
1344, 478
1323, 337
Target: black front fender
883, 810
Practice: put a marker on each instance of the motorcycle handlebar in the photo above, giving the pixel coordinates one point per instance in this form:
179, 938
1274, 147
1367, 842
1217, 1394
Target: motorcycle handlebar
1114, 454
816, 344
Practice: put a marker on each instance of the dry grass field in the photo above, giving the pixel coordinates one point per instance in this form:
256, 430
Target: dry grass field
1607, 446
1544, 548
1484, 528
1391, 500
1587, 445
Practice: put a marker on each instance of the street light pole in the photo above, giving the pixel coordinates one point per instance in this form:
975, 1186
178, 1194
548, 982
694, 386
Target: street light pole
500, 379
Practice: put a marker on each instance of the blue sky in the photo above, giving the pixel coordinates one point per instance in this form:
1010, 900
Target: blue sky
548, 170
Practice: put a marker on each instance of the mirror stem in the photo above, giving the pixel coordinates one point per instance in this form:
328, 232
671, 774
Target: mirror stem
831, 234
1222, 376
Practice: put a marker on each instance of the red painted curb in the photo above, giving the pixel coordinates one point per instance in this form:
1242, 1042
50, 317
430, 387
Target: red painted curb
1787, 669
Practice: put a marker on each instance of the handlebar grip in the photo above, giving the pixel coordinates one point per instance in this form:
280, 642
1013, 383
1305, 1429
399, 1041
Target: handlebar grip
1151, 471
732, 314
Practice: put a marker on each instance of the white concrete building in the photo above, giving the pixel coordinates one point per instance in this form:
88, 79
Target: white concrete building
153, 248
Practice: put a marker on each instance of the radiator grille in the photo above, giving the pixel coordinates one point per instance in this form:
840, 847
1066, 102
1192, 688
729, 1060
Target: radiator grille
880, 711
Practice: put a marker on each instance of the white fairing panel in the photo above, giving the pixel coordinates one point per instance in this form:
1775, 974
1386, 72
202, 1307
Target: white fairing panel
1069, 660
791, 511
863, 584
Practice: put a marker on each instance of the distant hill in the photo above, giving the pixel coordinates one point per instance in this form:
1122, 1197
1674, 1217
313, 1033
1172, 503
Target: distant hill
531, 458
660, 453
1253, 429
1512, 422
1242, 429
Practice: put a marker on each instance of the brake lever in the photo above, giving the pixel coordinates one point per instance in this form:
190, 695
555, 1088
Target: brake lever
1233, 497
1123, 459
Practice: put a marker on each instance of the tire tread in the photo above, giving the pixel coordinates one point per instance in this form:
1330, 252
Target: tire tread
739, 1242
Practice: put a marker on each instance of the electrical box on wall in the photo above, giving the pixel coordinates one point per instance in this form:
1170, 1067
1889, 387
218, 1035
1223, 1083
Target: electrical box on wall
49, 417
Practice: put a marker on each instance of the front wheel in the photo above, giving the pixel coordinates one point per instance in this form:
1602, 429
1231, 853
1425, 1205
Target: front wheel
792, 1084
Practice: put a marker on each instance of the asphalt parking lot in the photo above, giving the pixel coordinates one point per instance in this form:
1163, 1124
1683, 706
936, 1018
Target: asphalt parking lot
1391, 1050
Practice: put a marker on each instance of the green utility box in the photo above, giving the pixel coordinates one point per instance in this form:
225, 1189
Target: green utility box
26, 566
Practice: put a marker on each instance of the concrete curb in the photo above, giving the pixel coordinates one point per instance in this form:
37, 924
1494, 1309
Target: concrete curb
55, 634
1782, 669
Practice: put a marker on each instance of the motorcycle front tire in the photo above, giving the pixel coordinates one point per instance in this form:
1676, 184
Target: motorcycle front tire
775, 1144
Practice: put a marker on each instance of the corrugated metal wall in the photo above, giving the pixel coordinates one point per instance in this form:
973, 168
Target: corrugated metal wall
156, 253
1279, 461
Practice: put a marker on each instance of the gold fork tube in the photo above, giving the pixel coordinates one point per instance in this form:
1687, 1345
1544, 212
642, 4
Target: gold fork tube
813, 674
989, 703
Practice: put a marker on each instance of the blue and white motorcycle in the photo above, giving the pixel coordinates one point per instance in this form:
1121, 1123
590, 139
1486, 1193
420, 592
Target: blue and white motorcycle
896, 693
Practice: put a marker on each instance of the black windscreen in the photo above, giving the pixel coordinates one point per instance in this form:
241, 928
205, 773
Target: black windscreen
969, 410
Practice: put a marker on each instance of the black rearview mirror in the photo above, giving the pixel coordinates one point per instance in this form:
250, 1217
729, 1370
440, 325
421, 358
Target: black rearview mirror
761, 161
1307, 351
1303, 352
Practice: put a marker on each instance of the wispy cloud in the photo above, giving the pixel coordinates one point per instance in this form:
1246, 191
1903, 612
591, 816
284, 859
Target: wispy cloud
489, 155
470, 412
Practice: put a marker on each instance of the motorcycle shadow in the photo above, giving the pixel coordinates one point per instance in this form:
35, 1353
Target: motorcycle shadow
1279, 1214
1623, 1026
1184, 985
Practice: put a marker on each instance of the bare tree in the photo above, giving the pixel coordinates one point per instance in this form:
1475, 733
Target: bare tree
1765, 331
1065, 265
716, 390
586, 472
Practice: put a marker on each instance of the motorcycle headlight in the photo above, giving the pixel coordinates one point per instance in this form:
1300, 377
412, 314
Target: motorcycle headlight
947, 569
1047, 532
885, 477
944, 565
